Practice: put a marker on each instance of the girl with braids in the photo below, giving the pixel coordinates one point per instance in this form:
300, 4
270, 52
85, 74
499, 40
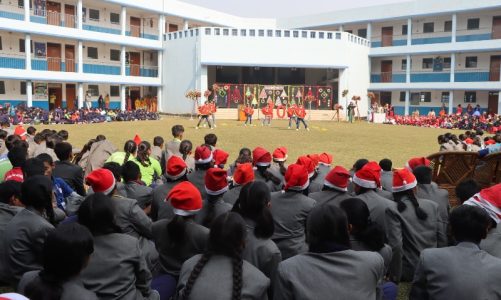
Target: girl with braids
185, 148
262, 161
244, 156
86, 148
24, 235
149, 167
216, 185
422, 225
352, 274
221, 273
66, 252
129, 153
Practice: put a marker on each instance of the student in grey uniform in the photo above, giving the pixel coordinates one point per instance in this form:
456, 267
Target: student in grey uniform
216, 185
386, 174
134, 187
335, 187
117, 268
311, 167
204, 160
244, 156
290, 209
65, 254
116, 169
221, 273
25, 234
466, 189
175, 173
357, 166
463, 271
242, 175
185, 149
262, 162
220, 158
173, 145
324, 166
278, 167
352, 274
422, 226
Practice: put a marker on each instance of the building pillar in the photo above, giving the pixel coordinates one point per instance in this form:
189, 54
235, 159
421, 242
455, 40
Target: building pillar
26, 4
27, 51
80, 57
159, 99
407, 102
123, 97
123, 21
454, 28
409, 31
453, 67
343, 85
79, 14
160, 64
369, 31
80, 95
451, 103
185, 24
161, 27
29, 93
499, 102
204, 78
408, 69
341, 28
122, 61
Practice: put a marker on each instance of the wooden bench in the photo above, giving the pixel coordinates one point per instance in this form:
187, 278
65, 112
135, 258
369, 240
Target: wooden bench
488, 170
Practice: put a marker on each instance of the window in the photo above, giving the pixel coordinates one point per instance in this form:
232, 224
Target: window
404, 64
447, 62
92, 52
114, 91
321, 35
404, 29
473, 24
425, 97
295, 34
20, 3
470, 97
84, 14
362, 33
427, 63
23, 88
217, 31
415, 98
114, 18
269, 33
243, 32
312, 34
22, 44
207, 31
304, 34
261, 32
445, 97
428, 27
402, 96
252, 32
234, 32
329, 35
1, 43
226, 31
278, 33
287, 33
471, 62
114, 55
448, 26
2, 87
93, 89
93, 14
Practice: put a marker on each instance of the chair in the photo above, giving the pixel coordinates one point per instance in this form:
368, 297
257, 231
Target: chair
488, 170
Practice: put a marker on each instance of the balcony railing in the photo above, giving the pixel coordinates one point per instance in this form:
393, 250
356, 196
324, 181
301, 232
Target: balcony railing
54, 64
466, 75
142, 32
12, 61
430, 76
105, 68
388, 77
472, 75
481, 34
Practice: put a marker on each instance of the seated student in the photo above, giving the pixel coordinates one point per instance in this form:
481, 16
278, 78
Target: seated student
149, 167
69, 172
66, 253
244, 156
278, 167
204, 160
117, 268
134, 187
173, 146
17, 157
185, 149
121, 157
290, 209
216, 185
352, 274
156, 151
386, 174
466, 189
335, 187
11, 142
324, 166
311, 167
221, 273
220, 158
116, 169
454, 272
262, 162
25, 234
181, 238
210, 140
242, 175
175, 173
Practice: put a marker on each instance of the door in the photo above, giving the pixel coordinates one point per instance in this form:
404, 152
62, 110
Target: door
492, 107
135, 94
69, 58
495, 68
53, 13
385, 98
386, 70
69, 16
135, 63
70, 96
135, 27
53, 57
55, 96
172, 28
387, 36
496, 27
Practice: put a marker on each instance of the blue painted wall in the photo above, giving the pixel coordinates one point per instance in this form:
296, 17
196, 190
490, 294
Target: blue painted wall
45, 103
473, 37
431, 77
431, 40
471, 76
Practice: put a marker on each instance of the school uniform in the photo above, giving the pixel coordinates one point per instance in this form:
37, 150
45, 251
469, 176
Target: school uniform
173, 147
387, 180
273, 187
216, 280
274, 169
72, 289
219, 206
42, 148
139, 192
446, 147
7, 212
131, 218
384, 194
232, 195
351, 275
159, 208
322, 171
117, 269
290, 210
197, 177
461, 272
315, 186
385, 252
72, 174
329, 195
156, 153
492, 243
440, 196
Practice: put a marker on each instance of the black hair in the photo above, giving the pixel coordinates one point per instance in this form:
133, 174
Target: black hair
130, 171
10, 140
5, 123
401, 206
327, 224
3, 134
466, 189
46, 158
176, 230
97, 213
185, 147
210, 139
33, 167
36, 191
52, 140
211, 210
17, 156
423, 174
227, 237
38, 138
263, 170
386, 164
158, 141
244, 156
252, 203
177, 130
359, 164
63, 134
469, 223
100, 137
115, 168
63, 151
142, 154
31, 130
8, 189
363, 229
85, 149
130, 147
65, 254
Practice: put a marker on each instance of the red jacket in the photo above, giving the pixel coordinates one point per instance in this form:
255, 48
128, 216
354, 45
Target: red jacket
15, 174
301, 112
212, 107
204, 110
267, 111
291, 111
249, 111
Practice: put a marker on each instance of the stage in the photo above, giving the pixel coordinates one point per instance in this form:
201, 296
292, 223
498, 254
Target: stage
314, 115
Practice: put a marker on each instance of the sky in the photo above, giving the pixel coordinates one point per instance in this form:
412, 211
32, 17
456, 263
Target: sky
284, 8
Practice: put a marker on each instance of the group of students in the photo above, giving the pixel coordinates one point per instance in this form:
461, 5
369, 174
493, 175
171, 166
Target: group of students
471, 141
162, 222
295, 113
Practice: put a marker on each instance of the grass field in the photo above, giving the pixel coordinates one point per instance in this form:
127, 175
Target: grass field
347, 142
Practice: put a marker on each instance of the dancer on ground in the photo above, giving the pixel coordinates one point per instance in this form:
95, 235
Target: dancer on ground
301, 114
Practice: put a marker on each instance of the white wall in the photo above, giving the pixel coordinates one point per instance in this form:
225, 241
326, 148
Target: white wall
482, 99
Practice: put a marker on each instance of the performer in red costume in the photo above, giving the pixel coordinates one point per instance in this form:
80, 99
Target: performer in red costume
301, 114
249, 111
204, 113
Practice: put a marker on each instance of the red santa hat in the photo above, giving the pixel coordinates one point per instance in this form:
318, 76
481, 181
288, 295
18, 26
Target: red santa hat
490, 200
403, 180
216, 181
261, 157
417, 162
137, 139
185, 199
369, 176
12, 296
203, 155
220, 157
296, 178
490, 142
468, 141
325, 159
280, 154
338, 179
176, 168
308, 163
243, 174
101, 181
21, 132
314, 158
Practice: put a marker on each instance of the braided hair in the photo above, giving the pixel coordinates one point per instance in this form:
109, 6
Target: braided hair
263, 170
143, 156
129, 148
185, 148
420, 213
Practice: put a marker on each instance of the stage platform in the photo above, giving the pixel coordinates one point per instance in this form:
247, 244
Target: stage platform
316, 115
